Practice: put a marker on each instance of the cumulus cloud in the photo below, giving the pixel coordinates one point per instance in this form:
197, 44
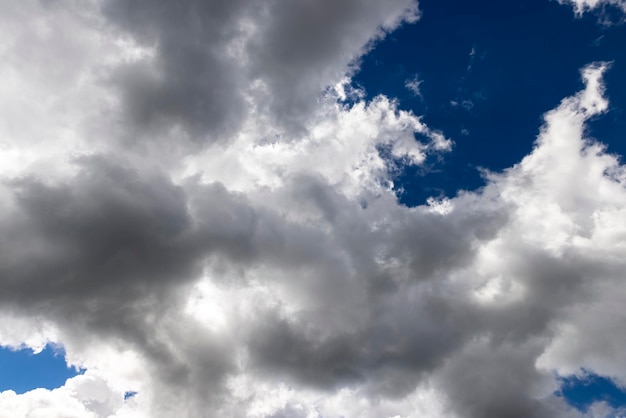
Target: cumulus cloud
215, 63
203, 214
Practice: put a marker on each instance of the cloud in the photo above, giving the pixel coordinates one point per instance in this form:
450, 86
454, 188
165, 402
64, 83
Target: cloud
204, 215
582, 6
413, 85
216, 63
82, 396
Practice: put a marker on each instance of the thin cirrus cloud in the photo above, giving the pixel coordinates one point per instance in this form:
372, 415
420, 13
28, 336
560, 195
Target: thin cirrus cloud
197, 204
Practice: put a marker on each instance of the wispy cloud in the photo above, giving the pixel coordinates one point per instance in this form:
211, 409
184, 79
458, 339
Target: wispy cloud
413, 85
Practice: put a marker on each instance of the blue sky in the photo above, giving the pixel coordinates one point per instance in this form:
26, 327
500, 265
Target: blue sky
489, 71
581, 391
23, 370
313, 208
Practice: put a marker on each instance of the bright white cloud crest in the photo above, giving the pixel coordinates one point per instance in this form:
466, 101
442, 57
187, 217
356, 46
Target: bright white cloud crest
582, 6
192, 211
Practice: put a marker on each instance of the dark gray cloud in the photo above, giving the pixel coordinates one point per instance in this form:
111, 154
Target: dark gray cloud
107, 252
302, 45
498, 380
193, 81
216, 61
112, 252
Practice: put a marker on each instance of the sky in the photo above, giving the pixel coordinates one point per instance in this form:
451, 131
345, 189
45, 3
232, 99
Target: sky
312, 208
24, 370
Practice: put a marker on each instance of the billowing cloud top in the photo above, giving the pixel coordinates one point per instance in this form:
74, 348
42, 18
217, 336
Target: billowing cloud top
197, 204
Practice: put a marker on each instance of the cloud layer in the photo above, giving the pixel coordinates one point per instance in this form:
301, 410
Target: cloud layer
198, 205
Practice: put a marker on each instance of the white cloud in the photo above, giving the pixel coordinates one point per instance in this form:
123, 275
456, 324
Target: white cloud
582, 6
413, 85
83, 396
342, 145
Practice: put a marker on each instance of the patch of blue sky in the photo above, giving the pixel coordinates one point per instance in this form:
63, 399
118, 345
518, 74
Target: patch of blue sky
487, 73
23, 370
130, 394
584, 390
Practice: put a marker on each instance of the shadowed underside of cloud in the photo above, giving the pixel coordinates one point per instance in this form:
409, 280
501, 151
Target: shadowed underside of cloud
216, 62
199, 211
